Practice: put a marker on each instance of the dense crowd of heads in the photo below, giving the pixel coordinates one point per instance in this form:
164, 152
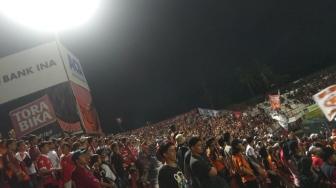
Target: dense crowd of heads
192, 151
231, 152
302, 90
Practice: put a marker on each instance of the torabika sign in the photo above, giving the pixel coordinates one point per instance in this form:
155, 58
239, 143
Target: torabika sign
32, 116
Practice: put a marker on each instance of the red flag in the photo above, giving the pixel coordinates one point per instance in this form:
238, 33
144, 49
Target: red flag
237, 115
275, 101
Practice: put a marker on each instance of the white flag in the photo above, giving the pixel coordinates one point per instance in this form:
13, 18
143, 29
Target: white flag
281, 118
326, 100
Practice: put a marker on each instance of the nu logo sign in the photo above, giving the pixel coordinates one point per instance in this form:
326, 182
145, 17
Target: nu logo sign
76, 68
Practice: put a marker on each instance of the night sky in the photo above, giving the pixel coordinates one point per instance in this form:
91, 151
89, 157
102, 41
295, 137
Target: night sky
151, 60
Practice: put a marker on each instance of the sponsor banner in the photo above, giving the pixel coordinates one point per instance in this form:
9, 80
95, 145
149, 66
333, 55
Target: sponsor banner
208, 112
326, 100
88, 112
73, 68
63, 104
29, 71
274, 101
70, 127
32, 116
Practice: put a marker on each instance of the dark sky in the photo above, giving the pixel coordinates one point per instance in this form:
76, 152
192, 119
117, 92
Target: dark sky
150, 60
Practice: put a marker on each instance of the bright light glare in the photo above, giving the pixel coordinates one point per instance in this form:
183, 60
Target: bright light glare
49, 15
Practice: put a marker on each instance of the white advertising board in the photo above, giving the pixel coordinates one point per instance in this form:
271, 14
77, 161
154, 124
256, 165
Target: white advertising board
73, 68
29, 71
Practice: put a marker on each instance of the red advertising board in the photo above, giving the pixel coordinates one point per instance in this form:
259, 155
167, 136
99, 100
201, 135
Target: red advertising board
32, 116
88, 112
69, 127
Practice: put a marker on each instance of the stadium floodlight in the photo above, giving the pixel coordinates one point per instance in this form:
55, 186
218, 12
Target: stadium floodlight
49, 15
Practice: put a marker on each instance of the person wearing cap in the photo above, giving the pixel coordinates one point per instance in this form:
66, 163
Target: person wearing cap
82, 176
170, 176
45, 168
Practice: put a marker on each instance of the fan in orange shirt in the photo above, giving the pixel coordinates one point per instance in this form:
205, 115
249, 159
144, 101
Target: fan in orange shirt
214, 155
242, 166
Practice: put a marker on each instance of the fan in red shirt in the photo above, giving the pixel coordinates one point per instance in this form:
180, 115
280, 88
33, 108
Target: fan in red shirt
317, 155
129, 155
126, 153
67, 165
16, 173
44, 167
82, 177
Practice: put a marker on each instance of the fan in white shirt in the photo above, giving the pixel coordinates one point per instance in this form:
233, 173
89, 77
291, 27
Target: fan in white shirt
53, 156
55, 160
23, 156
250, 150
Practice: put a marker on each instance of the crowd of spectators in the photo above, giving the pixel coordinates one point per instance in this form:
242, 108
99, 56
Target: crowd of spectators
235, 149
197, 151
302, 90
